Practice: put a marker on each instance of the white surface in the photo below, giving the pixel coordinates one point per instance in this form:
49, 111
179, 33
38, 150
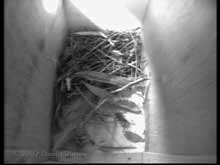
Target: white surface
51, 5
109, 14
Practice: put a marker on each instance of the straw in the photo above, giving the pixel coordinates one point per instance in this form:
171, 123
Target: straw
101, 63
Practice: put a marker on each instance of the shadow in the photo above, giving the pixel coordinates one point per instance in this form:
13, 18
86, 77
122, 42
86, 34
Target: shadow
76, 20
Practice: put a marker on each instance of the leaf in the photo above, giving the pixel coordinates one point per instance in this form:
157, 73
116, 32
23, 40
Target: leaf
120, 117
94, 33
128, 109
104, 78
97, 91
133, 137
107, 109
128, 103
119, 107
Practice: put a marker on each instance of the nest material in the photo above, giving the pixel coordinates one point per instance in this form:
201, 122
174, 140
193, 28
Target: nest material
102, 64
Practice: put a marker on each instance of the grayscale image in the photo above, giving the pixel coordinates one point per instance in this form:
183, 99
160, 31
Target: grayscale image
110, 81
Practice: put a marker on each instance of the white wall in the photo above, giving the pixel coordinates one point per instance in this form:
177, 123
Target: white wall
104, 14
75, 18
180, 40
32, 39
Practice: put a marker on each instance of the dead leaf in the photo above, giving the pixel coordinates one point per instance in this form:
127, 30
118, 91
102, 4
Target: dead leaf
128, 103
128, 109
123, 121
124, 108
97, 91
104, 78
133, 137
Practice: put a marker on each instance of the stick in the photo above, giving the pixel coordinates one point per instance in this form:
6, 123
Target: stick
129, 85
129, 64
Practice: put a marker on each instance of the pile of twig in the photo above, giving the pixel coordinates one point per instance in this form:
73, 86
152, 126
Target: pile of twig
103, 63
